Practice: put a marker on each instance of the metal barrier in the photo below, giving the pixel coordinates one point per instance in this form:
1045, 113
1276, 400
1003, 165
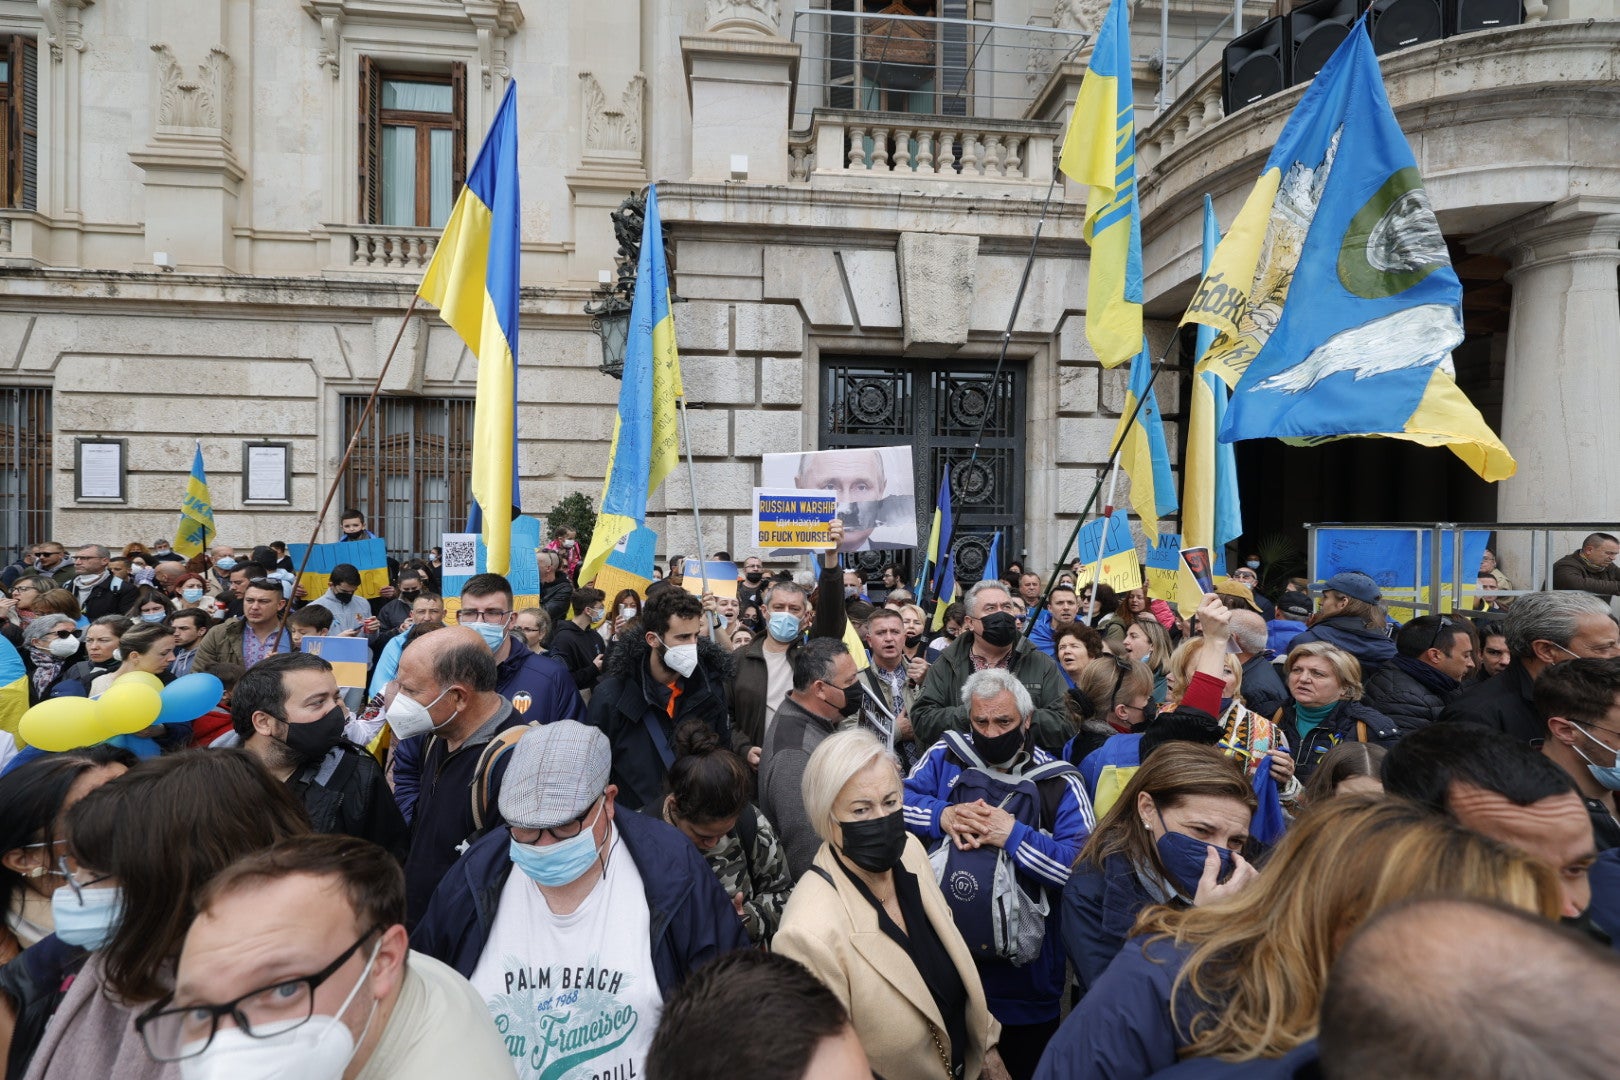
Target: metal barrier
1534, 541
938, 66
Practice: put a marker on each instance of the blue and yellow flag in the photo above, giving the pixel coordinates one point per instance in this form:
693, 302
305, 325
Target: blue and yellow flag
13, 688
992, 559
1143, 453
646, 441
1211, 514
473, 280
939, 539
370, 557
1100, 151
1340, 220
349, 657
196, 512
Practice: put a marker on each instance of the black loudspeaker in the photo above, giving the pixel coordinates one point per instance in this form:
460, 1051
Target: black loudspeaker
1315, 29
1396, 24
1255, 65
1463, 16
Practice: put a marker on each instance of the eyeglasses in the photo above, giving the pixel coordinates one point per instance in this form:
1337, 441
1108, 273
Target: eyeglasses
78, 887
180, 1033
1121, 666
1439, 628
65, 632
465, 616
568, 829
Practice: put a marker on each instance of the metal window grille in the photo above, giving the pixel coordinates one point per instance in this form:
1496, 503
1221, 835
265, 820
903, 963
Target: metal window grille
411, 472
25, 468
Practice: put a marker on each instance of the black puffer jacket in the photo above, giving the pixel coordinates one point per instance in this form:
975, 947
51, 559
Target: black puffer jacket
1343, 724
1411, 698
632, 709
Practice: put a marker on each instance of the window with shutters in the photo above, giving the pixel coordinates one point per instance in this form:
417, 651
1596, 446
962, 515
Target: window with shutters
19, 112
413, 144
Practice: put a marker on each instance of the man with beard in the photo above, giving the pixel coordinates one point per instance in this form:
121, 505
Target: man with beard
285, 712
652, 685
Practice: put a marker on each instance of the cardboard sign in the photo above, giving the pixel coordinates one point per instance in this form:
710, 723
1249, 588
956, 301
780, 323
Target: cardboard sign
524, 575
1164, 567
787, 519
1122, 572
722, 577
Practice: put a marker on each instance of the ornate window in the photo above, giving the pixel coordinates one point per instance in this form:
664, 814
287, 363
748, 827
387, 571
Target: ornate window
938, 410
413, 144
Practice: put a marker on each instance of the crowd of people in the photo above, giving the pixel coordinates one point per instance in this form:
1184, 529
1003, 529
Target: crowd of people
802, 825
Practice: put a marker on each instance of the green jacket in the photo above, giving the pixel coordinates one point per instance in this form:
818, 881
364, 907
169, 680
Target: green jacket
939, 707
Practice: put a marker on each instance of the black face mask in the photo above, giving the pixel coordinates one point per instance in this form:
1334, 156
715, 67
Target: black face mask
999, 629
752, 577
313, 741
408, 595
343, 596
852, 700
914, 640
999, 749
876, 844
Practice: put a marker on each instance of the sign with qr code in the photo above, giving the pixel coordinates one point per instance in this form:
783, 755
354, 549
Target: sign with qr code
460, 554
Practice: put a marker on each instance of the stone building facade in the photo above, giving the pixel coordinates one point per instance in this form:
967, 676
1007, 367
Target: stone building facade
216, 224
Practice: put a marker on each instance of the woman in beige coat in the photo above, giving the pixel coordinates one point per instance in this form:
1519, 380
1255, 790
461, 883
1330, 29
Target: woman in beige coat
868, 920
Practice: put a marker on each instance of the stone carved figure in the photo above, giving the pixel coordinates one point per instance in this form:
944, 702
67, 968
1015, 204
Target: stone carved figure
1084, 15
615, 129
202, 102
764, 14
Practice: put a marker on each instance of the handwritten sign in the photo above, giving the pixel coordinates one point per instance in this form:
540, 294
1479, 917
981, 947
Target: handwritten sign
1121, 572
788, 519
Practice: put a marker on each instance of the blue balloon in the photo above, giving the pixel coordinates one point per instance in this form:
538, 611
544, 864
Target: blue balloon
189, 696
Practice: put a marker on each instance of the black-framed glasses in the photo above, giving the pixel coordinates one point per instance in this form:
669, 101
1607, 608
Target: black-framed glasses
65, 632
174, 1034
78, 887
470, 617
1439, 628
568, 829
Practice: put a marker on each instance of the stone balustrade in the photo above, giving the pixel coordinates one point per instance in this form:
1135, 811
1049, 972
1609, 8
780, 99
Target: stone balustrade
1198, 108
844, 142
377, 247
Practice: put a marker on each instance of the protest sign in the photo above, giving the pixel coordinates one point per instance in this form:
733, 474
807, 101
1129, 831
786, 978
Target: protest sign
1164, 566
787, 519
873, 485
1199, 565
1110, 537
524, 574
369, 557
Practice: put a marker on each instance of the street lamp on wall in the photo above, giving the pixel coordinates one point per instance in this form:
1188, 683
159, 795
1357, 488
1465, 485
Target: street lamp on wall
609, 305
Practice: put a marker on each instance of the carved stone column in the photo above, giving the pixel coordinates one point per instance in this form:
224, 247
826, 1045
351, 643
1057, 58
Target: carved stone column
1561, 393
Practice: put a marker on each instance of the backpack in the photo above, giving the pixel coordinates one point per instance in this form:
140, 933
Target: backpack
1000, 911
483, 772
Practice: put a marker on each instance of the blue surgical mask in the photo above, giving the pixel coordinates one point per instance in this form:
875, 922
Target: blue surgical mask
152, 616
192, 595
1183, 858
559, 864
492, 633
783, 627
227, 563
1253, 564
89, 924
1607, 775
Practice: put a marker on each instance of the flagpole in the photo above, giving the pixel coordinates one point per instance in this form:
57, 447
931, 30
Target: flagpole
1108, 512
343, 466
1113, 462
697, 521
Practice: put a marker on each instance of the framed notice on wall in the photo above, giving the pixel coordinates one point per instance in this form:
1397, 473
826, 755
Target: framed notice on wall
266, 472
98, 469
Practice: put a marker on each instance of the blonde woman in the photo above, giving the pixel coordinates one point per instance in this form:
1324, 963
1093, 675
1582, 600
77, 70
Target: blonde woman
1324, 705
869, 922
1241, 978
1248, 737
1149, 643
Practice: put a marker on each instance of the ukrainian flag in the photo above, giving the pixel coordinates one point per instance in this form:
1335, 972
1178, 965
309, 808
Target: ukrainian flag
349, 657
1100, 151
13, 688
473, 280
196, 512
939, 538
1144, 454
646, 442
1339, 218
370, 557
1211, 514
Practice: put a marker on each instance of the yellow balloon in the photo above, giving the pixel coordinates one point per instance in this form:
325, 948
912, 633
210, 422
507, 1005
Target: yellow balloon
140, 678
127, 707
63, 723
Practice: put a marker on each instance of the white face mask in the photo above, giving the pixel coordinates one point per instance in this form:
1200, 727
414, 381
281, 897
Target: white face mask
409, 718
63, 647
681, 659
318, 1049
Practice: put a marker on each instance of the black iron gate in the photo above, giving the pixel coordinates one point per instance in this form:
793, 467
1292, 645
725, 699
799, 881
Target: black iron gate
25, 469
937, 410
